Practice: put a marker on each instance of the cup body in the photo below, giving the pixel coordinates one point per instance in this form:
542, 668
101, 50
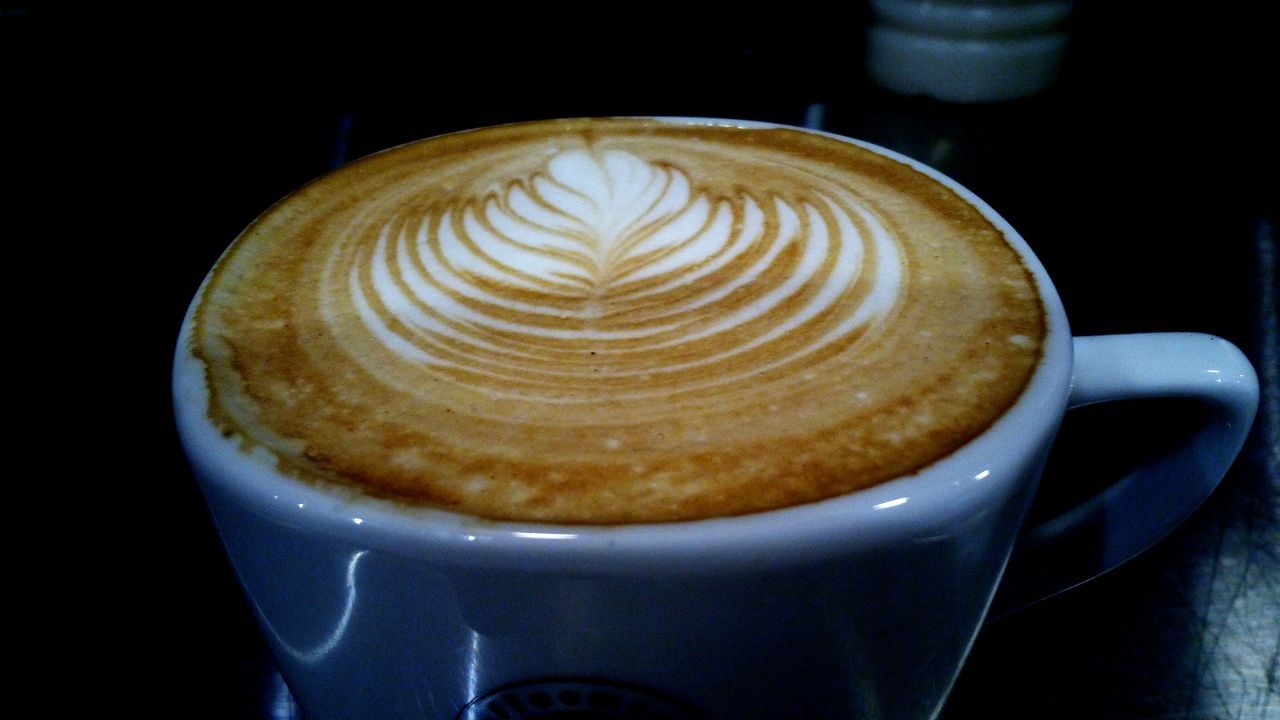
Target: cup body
863, 605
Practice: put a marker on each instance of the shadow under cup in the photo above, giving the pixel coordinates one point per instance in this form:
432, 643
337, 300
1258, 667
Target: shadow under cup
863, 605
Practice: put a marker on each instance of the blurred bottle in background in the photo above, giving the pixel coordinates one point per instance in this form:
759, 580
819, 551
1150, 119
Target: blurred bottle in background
967, 50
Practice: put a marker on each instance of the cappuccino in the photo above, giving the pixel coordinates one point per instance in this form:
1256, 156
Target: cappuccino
616, 321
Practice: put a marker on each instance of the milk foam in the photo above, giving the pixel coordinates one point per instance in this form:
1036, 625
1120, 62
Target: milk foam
613, 321
589, 229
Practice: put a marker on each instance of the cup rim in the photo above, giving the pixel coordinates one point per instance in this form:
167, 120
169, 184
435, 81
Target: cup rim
928, 503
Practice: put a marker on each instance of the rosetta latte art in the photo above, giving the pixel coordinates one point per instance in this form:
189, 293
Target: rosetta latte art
609, 270
616, 321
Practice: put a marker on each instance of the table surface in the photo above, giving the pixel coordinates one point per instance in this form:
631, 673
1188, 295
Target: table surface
1146, 187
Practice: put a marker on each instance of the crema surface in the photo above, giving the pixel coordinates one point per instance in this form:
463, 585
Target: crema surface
615, 321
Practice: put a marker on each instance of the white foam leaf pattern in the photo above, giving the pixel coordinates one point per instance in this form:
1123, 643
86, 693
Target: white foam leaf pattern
599, 210
622, 258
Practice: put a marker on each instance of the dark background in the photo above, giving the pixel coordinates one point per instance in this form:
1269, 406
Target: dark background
1145, 180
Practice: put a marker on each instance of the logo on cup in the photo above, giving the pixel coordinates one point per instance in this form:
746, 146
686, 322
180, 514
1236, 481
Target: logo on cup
576, 699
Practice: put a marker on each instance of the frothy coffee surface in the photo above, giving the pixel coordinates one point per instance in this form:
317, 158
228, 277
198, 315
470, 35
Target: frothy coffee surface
612, 321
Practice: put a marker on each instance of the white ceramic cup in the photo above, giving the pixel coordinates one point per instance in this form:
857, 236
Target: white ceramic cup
861, 606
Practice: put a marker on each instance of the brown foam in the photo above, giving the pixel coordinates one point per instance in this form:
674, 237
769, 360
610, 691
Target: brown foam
572, 430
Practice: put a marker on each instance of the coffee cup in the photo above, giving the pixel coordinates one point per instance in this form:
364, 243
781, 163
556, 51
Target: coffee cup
645, 418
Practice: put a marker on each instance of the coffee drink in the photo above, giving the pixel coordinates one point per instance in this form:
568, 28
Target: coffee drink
616, 321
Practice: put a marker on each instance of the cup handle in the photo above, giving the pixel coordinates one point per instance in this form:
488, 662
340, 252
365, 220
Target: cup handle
1142, 507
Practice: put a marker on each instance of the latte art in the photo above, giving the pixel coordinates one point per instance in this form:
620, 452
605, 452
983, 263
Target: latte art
615, 274
613, 321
